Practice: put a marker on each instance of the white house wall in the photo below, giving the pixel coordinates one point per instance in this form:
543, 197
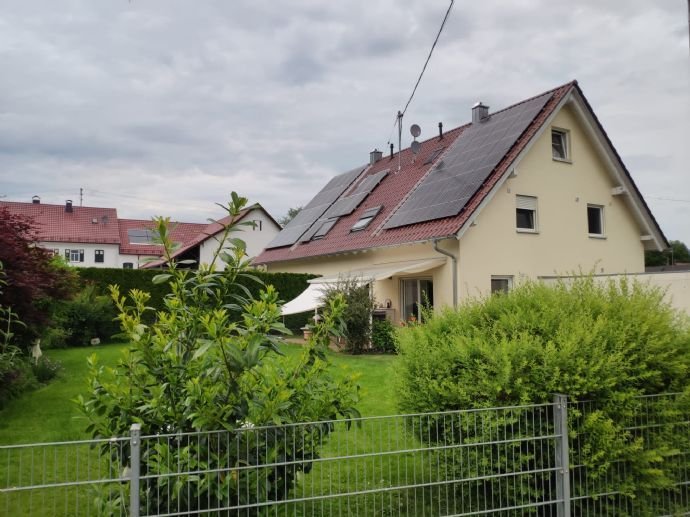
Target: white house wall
110, 259
256, 238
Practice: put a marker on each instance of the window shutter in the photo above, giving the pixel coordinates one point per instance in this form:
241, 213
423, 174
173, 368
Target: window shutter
526, 202
67, 255
81, 255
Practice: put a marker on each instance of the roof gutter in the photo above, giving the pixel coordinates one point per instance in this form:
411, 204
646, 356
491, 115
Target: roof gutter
454, 260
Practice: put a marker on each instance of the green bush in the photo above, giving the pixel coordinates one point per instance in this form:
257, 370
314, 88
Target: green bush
210, 363
45, 369
357, 317
16, 375
383, 337
607, 344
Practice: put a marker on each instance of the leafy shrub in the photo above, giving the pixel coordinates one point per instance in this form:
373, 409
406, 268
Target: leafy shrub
45, 369
15, 374
607, 344
76, 322
210, 362
383, 336
357, 316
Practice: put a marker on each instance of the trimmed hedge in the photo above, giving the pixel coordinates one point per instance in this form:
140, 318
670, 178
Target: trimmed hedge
288, 285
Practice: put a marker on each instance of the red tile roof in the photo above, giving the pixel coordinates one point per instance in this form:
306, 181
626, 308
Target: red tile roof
394, 188
83, 224
182, 233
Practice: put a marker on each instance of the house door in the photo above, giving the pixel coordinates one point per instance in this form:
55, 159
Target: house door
416, 293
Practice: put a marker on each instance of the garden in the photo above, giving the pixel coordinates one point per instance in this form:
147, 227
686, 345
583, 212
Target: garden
302, 427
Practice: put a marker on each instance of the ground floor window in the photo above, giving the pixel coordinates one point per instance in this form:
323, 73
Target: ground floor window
416, 294
127, 265
99, 256
74, 255
501, 284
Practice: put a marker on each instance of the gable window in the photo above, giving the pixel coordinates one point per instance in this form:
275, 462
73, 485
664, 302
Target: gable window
526, 213
127, 265
560, 147
74, 255
99, 256
367, 216
501, 284
595, 220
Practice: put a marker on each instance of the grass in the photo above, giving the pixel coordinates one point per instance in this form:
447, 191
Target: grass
48, 414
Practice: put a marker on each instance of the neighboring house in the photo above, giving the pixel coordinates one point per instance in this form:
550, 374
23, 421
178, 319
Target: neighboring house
96, 237
533, 190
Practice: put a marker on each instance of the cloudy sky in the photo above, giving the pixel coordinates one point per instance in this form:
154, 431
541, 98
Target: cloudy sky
164, 107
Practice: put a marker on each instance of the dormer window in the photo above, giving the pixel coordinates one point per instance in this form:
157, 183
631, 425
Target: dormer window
560, 147
367, 217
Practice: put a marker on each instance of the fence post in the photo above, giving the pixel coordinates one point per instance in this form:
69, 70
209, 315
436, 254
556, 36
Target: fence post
560, 420
134, 470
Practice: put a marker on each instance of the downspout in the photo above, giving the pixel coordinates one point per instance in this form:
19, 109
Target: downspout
454, 260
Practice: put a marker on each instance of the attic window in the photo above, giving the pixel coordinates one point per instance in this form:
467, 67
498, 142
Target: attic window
324, 228
560, 145
142, 236
367, 216
433, 155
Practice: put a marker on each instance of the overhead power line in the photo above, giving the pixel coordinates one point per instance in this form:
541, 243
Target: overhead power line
400, 114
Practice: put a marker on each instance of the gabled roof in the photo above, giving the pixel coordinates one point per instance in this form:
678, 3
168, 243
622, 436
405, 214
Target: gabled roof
180, 232
414, 204
84, 224
210, 230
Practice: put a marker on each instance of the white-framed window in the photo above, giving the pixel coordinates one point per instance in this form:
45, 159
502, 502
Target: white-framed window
99, 256
526, 213
595, 220
74, 255
417, 293
501, 283
560, 144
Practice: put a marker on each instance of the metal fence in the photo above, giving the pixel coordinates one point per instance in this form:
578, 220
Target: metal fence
537, 459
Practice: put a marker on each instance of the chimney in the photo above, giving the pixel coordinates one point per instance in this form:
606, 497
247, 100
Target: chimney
375, 156
391, 151
440, 130
36, 200
68, 206
479, 112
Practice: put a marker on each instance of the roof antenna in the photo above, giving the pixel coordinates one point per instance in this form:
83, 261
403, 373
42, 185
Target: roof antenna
400, 117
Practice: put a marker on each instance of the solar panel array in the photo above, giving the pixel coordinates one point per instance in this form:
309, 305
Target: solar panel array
315, 209
466, 165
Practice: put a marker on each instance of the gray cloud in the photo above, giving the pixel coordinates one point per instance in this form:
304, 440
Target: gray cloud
165, 106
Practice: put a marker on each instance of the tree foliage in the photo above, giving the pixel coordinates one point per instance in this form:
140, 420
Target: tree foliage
677, 253
291, 214
357, 315
33, 277
607, 344
198, 368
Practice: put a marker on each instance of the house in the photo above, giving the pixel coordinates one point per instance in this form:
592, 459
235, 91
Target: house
532, 190
97, 237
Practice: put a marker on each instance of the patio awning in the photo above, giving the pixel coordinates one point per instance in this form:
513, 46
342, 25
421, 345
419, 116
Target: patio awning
312, 297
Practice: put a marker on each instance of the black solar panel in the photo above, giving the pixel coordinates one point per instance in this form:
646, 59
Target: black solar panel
466, 165
349, 203
315, 209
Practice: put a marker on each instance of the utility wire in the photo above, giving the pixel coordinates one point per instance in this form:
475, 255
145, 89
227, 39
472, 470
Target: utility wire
399, 115
669, 199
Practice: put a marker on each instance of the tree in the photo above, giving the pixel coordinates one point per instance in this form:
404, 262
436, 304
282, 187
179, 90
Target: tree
291, 213
677, 253
357, 315
33, 277
210, 363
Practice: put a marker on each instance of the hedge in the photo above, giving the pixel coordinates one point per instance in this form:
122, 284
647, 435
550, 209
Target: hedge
288, 285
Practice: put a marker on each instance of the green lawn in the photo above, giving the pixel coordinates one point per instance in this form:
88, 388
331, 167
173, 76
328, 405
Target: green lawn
48, 414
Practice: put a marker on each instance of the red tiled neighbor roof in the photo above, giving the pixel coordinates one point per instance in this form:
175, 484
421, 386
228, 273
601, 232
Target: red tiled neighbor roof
83, 224
182, 233
394, 188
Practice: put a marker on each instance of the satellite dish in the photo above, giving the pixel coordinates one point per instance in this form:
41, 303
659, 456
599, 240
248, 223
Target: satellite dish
416, 147
415, 130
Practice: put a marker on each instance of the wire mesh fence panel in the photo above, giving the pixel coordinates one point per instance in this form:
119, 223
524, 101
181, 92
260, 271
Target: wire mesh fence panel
651, 475
64, 478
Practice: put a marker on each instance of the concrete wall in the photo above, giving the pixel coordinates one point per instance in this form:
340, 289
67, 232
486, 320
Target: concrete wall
561, 244
676, 285
256, 238
110, 259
